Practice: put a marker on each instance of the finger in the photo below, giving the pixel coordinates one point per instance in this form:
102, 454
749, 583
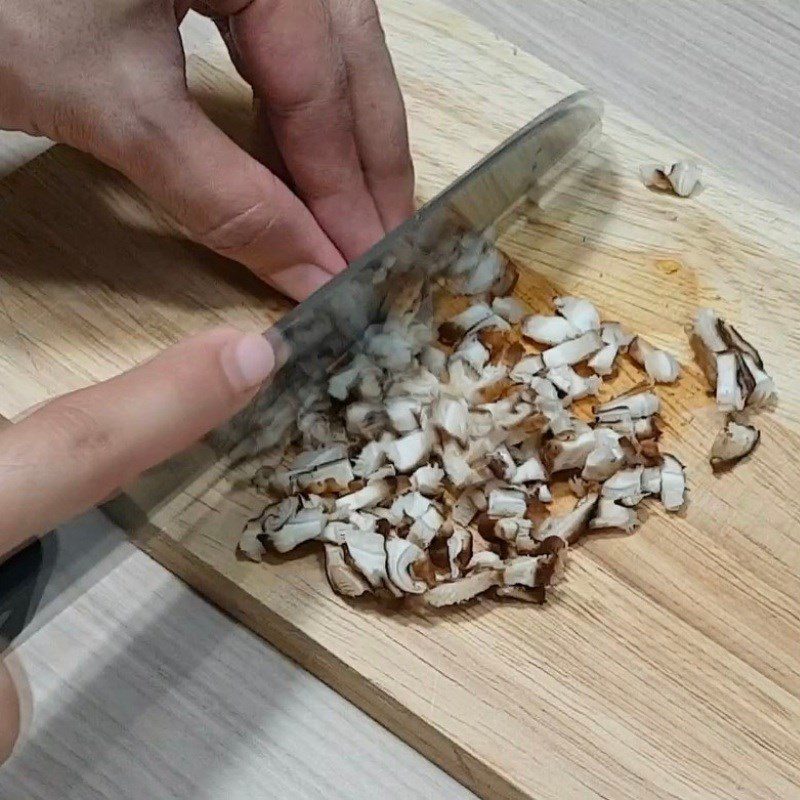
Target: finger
290, 51
224, 198
381, 126
73, 452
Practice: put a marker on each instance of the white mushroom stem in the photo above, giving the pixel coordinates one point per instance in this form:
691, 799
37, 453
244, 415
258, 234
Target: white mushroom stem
673, 483
548, 330
529, 471
569, 527
428, 480
372, 494
510, 309
580, 313
642, 404
571, 453
525, 370
462, 590
507, 503
410, 451
626, 484
729, 392
661, 366
602, 362
451, 415
611, 515
306, 524
573, 351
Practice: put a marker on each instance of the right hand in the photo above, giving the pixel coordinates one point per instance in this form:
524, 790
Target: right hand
108, 77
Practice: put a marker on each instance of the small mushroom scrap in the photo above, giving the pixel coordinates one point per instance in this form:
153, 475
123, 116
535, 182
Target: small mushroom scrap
681, 178
733, 443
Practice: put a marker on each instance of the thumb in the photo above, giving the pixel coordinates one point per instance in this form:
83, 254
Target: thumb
224, 198
73, 452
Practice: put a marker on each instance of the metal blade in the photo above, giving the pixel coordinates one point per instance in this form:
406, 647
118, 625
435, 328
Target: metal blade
321, 330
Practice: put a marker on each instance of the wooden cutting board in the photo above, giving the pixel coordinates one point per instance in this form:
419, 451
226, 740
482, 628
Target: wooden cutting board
668, 664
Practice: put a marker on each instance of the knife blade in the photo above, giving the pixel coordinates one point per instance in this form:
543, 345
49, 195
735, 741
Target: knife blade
321, 330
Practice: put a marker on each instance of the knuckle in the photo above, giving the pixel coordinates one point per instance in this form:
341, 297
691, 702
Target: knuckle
75, 429
238, 231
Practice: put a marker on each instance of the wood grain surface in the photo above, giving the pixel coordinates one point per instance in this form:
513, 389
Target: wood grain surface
668, 666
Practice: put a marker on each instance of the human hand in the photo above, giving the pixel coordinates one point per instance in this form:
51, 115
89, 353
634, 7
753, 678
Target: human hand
77, 450
108, 77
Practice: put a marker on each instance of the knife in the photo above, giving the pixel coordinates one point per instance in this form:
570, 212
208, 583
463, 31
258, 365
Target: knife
40, 581
323, 329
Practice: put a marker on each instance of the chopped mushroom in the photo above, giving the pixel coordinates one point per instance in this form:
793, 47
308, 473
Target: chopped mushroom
463, 589
611, 515
400, 556
548, 330
580, 313
342, 577
661, 366
572, 351
673, 483
681, 177
733, 444
424, 467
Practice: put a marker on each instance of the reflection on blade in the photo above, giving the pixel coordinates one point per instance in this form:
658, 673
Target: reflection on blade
322, 330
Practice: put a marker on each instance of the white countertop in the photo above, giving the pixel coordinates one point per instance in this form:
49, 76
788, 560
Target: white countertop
133, 694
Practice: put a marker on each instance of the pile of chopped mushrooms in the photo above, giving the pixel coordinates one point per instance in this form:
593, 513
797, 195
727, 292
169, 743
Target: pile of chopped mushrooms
428, 464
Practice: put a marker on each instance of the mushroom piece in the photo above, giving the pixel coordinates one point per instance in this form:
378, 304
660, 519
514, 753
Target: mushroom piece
578, 312
624, 486
459, 551
661, 366
425, 528
544, 494
427, 480
483, 560
606, 458
681, 178
510, 309
673, 483
367, 552
434, 360
602, 362
302, 526
572, 453
344, 580
572, 351
733, 443
526, 369
400, 557
611, 515
548, 330
729, 392
410, 451
763, 393
633, 406
473, 352
403, 413
507, 503
249, 543
614, 333
451, 415
569, 527
372, 494
462, 590
651, 480
530, 571
334, 476
529, 471
574, 386
371, 458
502, 464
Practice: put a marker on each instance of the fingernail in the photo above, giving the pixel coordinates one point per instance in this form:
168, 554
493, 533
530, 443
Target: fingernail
249, 362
